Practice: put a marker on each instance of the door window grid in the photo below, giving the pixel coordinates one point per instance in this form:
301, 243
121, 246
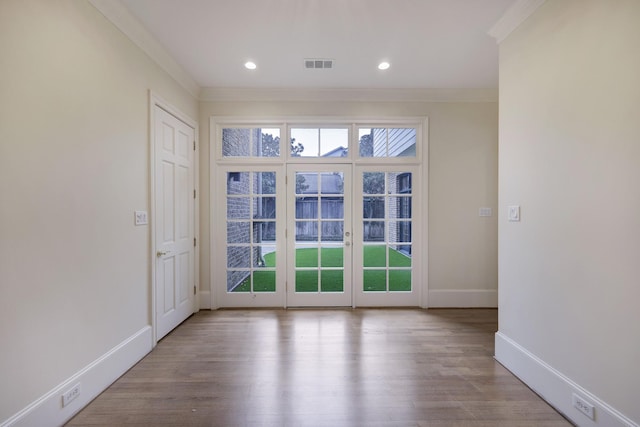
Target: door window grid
319, 225
251, 231
387, 240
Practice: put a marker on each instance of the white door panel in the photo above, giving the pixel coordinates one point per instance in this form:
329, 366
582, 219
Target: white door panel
174, 222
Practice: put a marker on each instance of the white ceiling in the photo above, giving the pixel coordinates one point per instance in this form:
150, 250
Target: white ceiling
432, 44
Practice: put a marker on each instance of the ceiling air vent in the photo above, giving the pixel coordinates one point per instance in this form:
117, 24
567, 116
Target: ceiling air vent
318, 63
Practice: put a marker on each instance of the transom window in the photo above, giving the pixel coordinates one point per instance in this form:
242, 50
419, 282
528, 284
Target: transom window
279, 141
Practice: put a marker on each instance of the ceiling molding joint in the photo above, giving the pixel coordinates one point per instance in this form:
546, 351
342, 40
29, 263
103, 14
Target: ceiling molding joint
513, 18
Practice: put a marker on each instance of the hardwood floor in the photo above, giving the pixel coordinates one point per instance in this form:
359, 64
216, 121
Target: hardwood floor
362, 367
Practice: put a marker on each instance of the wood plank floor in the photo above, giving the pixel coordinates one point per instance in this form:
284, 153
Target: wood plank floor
362, 367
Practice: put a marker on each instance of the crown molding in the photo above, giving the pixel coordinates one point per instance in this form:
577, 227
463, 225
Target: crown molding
513, 17
120, 16
213, 94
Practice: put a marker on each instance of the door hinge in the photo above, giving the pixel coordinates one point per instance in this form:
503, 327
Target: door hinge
194, 289
285, 233
194, 194
285, 179
194, 242
194, 146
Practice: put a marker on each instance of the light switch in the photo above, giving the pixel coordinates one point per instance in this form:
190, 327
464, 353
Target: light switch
514, 213
484, 212
141, 217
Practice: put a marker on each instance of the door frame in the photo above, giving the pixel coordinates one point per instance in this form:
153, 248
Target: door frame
157, 101
284, 123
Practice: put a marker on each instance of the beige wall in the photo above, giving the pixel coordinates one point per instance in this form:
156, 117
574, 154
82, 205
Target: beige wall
569, 156
74, 153
462, 178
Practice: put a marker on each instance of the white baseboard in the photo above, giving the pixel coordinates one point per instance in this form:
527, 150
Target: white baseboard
93, 380
205, 300
463, 298
555, 388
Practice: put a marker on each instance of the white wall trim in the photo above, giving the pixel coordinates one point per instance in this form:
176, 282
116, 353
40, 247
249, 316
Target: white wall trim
93, 379
553, 386
205, 300
213, 94
463, 298
131, 27
513, 17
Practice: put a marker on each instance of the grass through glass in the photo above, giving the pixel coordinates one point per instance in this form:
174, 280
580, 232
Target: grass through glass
331, 280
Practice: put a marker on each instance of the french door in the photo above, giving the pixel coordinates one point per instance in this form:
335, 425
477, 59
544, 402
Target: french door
387, 223
306, 235
314, 215
319, 235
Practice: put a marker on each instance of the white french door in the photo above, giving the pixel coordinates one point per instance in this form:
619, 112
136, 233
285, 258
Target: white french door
250, 268
317, 215
174, 221
318, 235
387, 218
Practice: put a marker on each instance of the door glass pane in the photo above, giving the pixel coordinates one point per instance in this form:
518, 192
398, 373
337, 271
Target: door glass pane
238, 208
332, 231
399, 256
332, 207
374, 280
238, 232
332, 256
265, 183
264, 207
399, 280
264, 281
374, 256
306, 207
306, 231
306, 256
373, 183
332, 281
238, 183
373, 207
307, 281
373, 231
332, 183
238, 256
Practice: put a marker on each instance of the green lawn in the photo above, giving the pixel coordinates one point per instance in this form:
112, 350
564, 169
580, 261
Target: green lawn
331, 273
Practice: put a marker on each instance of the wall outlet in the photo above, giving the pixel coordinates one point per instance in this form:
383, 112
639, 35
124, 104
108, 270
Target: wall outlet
583, 406
141, 217
71, 394
484, 212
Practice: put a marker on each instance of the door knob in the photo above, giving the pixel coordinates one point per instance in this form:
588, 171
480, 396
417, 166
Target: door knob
161, 253
347, 234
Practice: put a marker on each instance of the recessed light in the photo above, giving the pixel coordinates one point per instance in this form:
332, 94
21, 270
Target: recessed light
250, 65
383, 66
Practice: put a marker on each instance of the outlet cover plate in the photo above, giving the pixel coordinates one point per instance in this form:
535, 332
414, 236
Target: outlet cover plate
583, 406
141, 217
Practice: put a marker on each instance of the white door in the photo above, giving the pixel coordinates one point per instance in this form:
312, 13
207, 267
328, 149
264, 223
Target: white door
318, 235
174, 221
386, 236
